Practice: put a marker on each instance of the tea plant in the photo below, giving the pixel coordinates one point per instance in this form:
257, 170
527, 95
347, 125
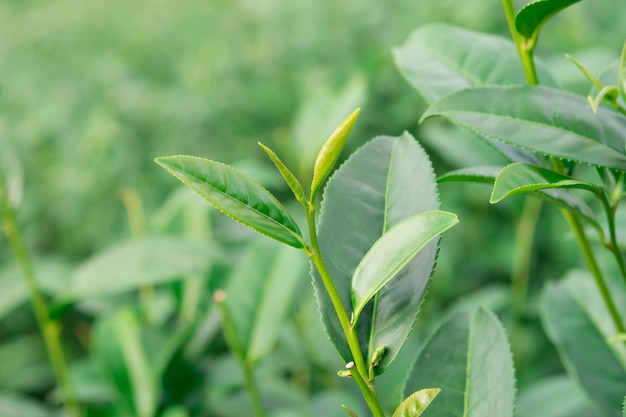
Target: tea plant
551, 138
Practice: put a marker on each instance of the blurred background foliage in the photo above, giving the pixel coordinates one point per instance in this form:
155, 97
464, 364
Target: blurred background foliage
91, 92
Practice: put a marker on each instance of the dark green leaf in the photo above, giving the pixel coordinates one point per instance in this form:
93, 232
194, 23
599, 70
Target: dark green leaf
577, 323
393, 251
416, 403
136, 263
439, 59
469, 358
383, 183
236, 195
533, 16
480, 174
259, 295
541, 119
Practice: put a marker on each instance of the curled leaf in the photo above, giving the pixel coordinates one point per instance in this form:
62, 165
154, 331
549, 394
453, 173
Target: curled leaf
416, 403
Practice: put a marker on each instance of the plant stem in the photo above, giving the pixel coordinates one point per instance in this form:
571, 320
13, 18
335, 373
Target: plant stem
524, 47
361, 373
613, 246
253, 390
49, 329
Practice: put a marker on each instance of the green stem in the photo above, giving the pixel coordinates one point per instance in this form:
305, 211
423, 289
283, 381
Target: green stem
525, 47
368, 389
253, 390
585, 248
49, 329
369, 393
614, 246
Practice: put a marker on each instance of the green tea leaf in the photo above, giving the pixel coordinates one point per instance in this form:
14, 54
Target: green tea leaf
135, 263
416, 403
383, 183
236, 195
289, 177
521, 178
480, 174
439, 59
533, 16
541, 119
393, 251
469, 358
621, 75
15, 404
259, 295
119, 351
330, 151
576, 321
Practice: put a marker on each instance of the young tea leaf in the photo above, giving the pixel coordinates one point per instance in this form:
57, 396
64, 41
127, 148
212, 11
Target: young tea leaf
330, 151
469, 358
393, 251
236, 195
416, 403
541, 119
533, 16
289, 177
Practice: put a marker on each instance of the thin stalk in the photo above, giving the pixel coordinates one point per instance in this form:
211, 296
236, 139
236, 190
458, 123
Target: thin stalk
49, 329
361, 372
369, 393
524, 48
585, 248
253, 390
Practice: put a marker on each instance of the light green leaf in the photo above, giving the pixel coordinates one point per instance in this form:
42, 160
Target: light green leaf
469, 358
521, 178
621, 75
383, 183
236, 195
259, 295
480, 174
14, 404
123, 360
393, 251
350, 412
289, 177
533, 16
416, 403
136, 263
330, 151
576, 321
541, 119
439, 59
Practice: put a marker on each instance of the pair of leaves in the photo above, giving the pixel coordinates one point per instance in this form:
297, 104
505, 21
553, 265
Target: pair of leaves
577, 322
469, 358
388, 180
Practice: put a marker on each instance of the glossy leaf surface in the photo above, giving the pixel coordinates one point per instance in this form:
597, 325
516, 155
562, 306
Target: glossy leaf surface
236, 195
541, 119
260, 293
533, 16
136, 263
577, 323
386, 181
469, 358
416, 403
439, 59
393, 251
330, 151
522, 178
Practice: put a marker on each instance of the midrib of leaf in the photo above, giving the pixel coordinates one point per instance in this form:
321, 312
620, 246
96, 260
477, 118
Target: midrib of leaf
468, 369
371, 347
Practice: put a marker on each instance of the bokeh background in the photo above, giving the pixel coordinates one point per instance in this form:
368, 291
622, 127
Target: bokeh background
91, 92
